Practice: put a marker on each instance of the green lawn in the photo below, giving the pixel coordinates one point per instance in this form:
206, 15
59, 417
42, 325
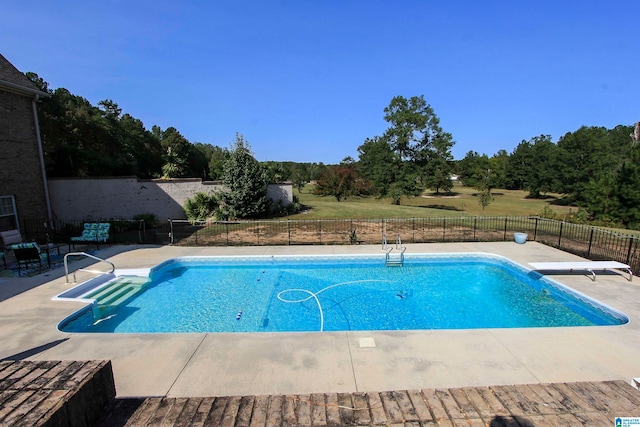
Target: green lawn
463, 202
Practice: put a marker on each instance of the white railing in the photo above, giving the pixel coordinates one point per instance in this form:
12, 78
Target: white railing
66, 265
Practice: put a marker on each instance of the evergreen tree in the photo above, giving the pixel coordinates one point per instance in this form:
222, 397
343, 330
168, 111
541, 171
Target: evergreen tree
245, 182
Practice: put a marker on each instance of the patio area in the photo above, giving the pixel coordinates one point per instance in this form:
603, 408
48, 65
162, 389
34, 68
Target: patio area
251, 364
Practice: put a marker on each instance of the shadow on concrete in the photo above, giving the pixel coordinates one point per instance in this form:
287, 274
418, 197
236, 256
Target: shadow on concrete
33, 351
12, 286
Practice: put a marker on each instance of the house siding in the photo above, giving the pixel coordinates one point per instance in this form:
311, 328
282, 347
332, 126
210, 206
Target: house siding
20, 172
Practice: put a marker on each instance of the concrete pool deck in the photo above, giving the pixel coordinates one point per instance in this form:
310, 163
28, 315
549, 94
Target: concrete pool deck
215, 364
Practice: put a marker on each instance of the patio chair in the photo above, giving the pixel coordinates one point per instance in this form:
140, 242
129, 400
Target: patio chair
10, 237
30, 253
93, 233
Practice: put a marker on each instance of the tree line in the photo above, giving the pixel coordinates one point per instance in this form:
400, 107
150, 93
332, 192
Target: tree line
594, 168
84, 140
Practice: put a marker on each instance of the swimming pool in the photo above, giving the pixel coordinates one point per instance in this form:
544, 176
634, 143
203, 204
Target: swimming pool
334, 293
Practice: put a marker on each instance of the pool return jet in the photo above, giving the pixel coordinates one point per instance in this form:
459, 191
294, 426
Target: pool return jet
394, 254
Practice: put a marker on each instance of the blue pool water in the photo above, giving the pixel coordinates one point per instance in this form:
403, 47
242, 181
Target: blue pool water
332, 293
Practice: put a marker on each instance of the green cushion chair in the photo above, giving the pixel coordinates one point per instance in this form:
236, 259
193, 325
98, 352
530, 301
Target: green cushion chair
30, 253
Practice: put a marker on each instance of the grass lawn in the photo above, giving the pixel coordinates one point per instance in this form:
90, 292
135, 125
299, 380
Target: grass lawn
463, 202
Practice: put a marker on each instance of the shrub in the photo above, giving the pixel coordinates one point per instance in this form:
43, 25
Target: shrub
201, 207
150, 220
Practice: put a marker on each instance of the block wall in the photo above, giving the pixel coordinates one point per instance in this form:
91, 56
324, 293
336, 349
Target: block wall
122, 198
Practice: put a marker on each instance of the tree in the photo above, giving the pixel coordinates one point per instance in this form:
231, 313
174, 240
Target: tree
542, 175
476, 171
216, 162
80, 139
437, 174
176, 153
410, 125
407, 183
473, 170
277, 171
38, 81
206, 161
300, 176
627, 194
378, 163
143, 147
415, 135
338, 181
413, 152
485, 197
245, 181
585, 154
499, 164
519, 166
435, 159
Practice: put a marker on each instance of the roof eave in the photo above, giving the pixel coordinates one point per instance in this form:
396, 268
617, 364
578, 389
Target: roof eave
22, 90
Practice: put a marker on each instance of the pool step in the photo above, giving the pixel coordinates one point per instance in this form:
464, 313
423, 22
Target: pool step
113, 295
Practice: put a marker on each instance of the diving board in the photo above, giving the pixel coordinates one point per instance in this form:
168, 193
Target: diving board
590, 266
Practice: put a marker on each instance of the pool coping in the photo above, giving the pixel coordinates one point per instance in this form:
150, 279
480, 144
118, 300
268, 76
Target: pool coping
209, 364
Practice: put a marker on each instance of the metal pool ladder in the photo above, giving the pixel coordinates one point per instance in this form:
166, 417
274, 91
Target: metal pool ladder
395, 254
66, 265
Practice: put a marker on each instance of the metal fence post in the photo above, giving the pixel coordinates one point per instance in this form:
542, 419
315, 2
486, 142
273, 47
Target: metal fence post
288, 231
560, 234
413, 230
444, 229
475, 224
258, 231
631, 239
590, 242
506, 219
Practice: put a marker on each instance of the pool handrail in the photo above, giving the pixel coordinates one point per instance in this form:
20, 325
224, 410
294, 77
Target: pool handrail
66, 265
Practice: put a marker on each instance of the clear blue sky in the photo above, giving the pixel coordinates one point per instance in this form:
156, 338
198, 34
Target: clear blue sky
308, 80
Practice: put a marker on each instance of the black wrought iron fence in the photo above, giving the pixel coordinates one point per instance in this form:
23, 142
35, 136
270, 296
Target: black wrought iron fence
61, 231
590, 242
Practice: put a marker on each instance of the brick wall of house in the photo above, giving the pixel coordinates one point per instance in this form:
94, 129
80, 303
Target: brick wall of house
20, 173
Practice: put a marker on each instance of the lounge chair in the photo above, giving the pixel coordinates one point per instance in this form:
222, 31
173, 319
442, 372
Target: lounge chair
28, 253
93, 232
587, 266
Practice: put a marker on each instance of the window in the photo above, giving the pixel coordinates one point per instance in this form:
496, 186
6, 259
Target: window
8, 214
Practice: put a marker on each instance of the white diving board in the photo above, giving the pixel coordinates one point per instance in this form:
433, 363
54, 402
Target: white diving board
590, 266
